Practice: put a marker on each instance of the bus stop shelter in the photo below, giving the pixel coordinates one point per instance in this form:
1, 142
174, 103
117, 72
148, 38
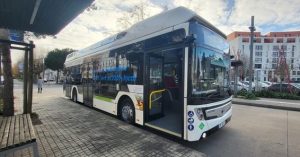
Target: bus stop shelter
45, 17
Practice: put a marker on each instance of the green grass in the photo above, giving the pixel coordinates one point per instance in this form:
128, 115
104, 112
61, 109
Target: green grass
103, 98
247, 95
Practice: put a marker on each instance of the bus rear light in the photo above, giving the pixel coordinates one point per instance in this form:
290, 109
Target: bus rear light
199, 113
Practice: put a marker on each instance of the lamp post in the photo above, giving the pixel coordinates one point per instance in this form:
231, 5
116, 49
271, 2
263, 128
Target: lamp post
252, 29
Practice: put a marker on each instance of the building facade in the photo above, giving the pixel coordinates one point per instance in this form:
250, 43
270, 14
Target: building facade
269, 51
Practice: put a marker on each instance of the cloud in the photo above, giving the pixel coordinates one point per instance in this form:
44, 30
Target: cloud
227, 15
266, 11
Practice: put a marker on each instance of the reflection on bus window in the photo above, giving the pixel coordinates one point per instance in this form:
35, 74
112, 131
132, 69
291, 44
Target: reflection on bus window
209, 76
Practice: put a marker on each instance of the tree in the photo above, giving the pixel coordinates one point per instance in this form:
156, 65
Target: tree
56, 58
244, 70
135, 14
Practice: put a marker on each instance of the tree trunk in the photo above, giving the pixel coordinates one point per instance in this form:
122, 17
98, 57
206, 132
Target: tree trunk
57, 75
8, 101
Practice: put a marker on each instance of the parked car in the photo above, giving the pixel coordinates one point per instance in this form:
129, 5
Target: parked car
248, 83
240, 86
268, 83
294, 88
261, 85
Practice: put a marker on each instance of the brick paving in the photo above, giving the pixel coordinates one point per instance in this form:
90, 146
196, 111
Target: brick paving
65, 128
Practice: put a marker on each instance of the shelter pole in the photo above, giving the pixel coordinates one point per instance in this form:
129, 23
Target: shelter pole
30, 78
25, 79
8, 96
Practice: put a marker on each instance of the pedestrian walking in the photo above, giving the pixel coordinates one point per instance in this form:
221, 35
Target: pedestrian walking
40, 84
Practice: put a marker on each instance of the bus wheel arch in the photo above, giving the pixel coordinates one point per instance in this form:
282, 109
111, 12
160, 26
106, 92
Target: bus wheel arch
126, 110
74, 95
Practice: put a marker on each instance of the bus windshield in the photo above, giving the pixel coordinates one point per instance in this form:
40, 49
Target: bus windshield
209, 68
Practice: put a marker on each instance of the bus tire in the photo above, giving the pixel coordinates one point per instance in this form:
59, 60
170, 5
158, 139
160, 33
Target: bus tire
74, 95
127, 112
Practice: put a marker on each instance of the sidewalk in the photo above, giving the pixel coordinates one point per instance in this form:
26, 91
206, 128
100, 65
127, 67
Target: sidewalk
65, 128
284, 104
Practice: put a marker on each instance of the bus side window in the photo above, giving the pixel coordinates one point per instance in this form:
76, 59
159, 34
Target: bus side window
132, 68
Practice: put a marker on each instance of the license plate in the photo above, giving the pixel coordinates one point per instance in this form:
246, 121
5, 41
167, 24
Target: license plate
221, 125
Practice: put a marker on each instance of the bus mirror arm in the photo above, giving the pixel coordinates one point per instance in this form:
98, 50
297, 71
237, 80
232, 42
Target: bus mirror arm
190, 38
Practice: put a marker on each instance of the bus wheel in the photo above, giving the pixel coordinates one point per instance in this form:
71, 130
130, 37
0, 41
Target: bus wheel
127, 111
74, 97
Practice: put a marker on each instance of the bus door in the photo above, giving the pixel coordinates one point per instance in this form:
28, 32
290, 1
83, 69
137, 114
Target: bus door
87, 84
163, 92
156, 90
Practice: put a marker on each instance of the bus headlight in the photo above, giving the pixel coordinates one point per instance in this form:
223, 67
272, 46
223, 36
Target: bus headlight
199, 113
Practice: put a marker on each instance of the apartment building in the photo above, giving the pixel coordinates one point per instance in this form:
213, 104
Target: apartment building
266, 52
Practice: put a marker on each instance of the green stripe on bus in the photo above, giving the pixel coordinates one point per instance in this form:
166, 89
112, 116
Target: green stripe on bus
103, 98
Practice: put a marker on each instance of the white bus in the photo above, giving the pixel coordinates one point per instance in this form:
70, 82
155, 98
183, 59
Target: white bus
169, 72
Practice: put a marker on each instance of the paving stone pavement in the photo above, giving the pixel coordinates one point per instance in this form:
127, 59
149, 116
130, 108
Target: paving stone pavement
65, 128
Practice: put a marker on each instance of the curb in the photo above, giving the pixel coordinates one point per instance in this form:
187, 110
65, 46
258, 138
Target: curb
267, 106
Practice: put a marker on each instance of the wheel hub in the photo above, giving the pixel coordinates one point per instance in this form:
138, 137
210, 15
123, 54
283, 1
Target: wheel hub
126, 113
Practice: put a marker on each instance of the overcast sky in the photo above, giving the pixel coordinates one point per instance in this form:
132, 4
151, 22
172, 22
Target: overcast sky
227, 15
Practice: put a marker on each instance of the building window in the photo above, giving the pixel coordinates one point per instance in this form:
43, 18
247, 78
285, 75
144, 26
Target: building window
291, 40
293, 54
245, 40
284, 47
293, 48
258, 60
257, 40
292, 60
274, 66
257, 66
258, 47
265, 72
298, 72
274, 60
265, 79
282, 53
280, 40
275, 48
258, 53
268, 40
294, 72
275, 54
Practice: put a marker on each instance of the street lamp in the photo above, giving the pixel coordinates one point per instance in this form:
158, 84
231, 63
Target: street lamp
252, 29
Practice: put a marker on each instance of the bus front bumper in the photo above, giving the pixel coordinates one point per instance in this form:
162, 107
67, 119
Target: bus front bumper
196, 129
